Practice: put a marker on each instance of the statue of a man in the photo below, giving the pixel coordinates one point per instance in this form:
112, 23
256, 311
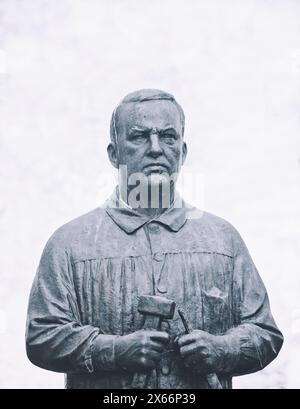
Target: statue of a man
83, 317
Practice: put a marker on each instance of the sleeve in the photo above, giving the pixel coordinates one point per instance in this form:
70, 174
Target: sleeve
55, 338
255, 340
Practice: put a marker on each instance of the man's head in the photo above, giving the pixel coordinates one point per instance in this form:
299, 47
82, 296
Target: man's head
146, 133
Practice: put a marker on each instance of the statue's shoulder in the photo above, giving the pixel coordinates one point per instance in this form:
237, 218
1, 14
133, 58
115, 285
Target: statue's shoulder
76, 229
216, 221
204, 218
214, 230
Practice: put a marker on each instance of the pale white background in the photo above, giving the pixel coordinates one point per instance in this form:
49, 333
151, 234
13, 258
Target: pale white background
235, 68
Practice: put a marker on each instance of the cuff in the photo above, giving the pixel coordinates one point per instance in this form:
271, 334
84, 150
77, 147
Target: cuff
103, 353
231, 352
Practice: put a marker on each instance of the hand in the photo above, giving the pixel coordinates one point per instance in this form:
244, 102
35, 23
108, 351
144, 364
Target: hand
141, 350
203, 351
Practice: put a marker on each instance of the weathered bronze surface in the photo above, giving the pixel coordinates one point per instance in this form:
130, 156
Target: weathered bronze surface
83, 317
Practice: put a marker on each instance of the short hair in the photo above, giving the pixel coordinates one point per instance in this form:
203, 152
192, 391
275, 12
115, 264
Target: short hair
143, 95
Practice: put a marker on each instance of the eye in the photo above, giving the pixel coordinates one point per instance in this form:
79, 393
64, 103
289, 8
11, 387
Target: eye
168, 138
138, 138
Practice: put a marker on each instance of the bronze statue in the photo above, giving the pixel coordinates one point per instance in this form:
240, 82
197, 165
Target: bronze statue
205, 316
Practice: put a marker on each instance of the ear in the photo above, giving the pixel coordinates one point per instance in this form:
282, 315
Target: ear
112, 154
184, 153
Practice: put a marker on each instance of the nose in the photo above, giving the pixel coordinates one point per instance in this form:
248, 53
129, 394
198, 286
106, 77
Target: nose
155, 148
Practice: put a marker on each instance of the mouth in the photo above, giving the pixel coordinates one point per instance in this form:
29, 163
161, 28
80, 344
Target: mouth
156, 168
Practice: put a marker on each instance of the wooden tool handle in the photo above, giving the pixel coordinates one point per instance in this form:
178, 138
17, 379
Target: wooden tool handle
213, 381
140, 380
151, 322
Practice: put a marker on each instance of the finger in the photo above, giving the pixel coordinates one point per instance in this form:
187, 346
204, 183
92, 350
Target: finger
160, 336
187, 350
178, 337
156, 346
151, 359
150, 353
191, 349
146, 363
196, 335
155, 356
197, 359
186, 339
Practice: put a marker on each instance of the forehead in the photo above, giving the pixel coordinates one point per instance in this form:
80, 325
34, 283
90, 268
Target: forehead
149, 114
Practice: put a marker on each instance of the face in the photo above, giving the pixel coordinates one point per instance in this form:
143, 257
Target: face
150, 139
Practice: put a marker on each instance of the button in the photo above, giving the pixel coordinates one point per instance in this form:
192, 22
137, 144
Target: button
158, 256
153, 227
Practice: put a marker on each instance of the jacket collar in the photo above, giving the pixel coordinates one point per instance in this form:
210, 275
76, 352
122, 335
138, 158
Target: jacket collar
130, 220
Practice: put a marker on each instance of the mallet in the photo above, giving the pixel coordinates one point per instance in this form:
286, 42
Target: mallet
154, 309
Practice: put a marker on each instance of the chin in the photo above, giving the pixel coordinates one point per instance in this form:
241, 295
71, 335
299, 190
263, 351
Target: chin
159, 178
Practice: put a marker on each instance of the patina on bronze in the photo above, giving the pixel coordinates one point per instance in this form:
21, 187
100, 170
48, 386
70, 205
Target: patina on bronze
83, 317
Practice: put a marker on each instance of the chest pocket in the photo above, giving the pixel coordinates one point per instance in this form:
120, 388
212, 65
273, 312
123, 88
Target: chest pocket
216, 293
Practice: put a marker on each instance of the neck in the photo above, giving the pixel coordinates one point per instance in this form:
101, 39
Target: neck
155, 204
